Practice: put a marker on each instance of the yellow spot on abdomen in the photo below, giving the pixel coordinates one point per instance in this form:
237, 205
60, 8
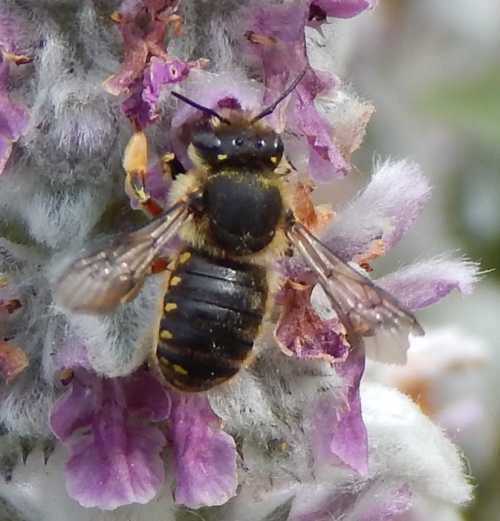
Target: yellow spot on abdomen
274, 159
165, 334
170, 306
179, 369
222, 157
174, 281
164, 363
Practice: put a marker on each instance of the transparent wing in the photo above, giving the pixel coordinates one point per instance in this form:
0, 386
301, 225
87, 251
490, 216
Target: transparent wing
364, 308
99, 282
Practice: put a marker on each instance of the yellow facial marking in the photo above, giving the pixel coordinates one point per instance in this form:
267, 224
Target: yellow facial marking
274, 160
168, 157
222, 157
179, 369
170, 306
184, 257
174, 281
165, 334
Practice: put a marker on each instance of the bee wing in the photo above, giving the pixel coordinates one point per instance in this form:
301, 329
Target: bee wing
99, 282
364, 308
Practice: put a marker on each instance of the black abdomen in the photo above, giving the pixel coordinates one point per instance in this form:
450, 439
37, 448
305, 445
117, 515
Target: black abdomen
212, 312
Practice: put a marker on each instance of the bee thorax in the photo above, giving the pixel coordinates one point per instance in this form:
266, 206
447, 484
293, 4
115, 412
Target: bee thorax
244, 210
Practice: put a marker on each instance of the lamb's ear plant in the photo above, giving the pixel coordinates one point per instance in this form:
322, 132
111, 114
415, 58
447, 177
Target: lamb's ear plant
86, 428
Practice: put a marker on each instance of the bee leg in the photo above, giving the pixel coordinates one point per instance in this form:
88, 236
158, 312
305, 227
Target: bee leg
134, 184
135, 163
159, 264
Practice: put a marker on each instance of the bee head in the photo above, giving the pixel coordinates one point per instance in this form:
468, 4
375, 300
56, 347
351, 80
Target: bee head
242, 144
239, 139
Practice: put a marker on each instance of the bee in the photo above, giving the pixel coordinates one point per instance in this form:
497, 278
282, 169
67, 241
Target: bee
234, 215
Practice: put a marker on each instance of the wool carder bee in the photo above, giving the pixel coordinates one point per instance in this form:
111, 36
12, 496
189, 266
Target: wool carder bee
235, 216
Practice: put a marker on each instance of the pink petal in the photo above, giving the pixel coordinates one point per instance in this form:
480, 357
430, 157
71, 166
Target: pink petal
114, 451
385, 209
136, 53
14, 117
336, 425
146, 398
341, 8
15, 35
325, 160
422, 284
141, 105
283, 57
116, 465
204, 455
77, 407
160, 73
143, 30
302, 333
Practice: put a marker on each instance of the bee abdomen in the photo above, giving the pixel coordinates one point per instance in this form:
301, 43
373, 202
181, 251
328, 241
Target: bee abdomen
213, 309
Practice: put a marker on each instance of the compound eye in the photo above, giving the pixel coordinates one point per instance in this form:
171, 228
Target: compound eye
206, 141
278, 146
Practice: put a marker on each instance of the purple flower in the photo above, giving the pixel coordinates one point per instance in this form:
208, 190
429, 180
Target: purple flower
302, 333
143, 25
204, 455
16, 43
147, 66
276, 35
107, 424
383, 212
141, 106
319, 10
14, 117
115, 451
338, 433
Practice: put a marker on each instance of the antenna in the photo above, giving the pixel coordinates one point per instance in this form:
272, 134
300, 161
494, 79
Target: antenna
270, 109
206, 110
